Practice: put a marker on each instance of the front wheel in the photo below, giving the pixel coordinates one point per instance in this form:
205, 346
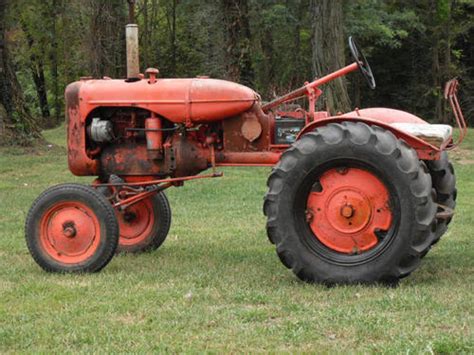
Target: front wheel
144, 225
350, 203
71, 228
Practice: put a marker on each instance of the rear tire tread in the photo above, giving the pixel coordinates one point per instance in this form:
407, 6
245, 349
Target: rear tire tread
385, 143
444, 184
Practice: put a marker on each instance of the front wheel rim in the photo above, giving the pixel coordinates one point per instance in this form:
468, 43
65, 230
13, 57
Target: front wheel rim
70, 232
136, 223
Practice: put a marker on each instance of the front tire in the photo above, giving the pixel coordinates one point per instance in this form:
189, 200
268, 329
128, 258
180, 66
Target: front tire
71, 228
350, 203
144, 226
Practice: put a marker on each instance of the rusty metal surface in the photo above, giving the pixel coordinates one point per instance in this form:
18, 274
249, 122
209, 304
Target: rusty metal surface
79, 163
251, 128
189, 157
450, 94
235, 140
267, 158
154, 137
125, 194
309, 87
180, 127
130, 159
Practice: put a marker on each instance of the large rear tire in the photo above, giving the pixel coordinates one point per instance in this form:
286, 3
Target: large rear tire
71, 228
444, 183
350, 203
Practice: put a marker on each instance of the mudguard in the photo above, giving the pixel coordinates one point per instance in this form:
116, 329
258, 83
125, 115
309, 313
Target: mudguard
384, 117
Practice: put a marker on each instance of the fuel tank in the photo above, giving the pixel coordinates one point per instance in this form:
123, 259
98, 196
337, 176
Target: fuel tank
178, 100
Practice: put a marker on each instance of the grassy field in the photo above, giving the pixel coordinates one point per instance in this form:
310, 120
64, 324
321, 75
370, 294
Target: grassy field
217, 284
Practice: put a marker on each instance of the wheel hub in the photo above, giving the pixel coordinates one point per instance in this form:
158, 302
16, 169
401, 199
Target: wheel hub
136, 222
347, 211
70, 232
348, 208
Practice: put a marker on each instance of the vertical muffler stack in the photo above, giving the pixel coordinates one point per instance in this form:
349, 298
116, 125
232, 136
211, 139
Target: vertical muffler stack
133, 64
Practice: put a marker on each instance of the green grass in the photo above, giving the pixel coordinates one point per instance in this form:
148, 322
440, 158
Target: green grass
217, 284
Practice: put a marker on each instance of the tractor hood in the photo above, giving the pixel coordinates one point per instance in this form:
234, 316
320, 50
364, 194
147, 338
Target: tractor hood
178, 100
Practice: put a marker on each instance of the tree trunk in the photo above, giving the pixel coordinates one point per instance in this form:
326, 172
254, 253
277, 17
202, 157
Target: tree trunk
298, 9
267, 51
441, 56
435, 72
107, 37
54, 61
37, 73
131, 11
238, 59
328, 46
16, 124
146, 35
171, 20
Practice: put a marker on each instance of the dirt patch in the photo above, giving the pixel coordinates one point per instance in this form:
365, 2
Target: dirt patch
466, 161
462, 156
129, 319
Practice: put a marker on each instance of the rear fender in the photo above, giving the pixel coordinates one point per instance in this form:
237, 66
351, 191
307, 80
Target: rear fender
424, 150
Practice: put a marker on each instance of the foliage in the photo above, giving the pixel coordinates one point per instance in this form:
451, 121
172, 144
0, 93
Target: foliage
413, 46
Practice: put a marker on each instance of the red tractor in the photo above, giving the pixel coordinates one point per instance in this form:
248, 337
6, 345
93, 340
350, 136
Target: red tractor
358, 197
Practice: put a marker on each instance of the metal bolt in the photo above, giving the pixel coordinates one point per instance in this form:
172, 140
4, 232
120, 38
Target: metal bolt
342, 170
129, 216
347, 211
69, 232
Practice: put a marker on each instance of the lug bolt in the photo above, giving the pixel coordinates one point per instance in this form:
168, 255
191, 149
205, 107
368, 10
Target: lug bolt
342, 170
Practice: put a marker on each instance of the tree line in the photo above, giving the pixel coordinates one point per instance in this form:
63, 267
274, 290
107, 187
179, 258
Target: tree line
274, 46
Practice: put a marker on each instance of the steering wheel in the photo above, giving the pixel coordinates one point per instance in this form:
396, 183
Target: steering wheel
362, 62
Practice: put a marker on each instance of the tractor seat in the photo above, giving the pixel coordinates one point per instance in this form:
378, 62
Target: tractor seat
434, 134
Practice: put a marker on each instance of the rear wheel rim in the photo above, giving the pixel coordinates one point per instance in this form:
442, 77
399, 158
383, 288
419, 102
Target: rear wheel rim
348, 210
70, 232
136, 223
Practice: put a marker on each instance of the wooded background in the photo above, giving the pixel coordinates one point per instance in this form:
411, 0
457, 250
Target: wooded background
414, 47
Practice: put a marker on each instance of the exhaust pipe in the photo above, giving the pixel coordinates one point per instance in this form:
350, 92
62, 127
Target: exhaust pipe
131, 38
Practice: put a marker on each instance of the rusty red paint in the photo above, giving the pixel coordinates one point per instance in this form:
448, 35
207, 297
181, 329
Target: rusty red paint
189, 125
251, 129
69, 232
349, 210
199, 100
153, 135
450, 93
302, 91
